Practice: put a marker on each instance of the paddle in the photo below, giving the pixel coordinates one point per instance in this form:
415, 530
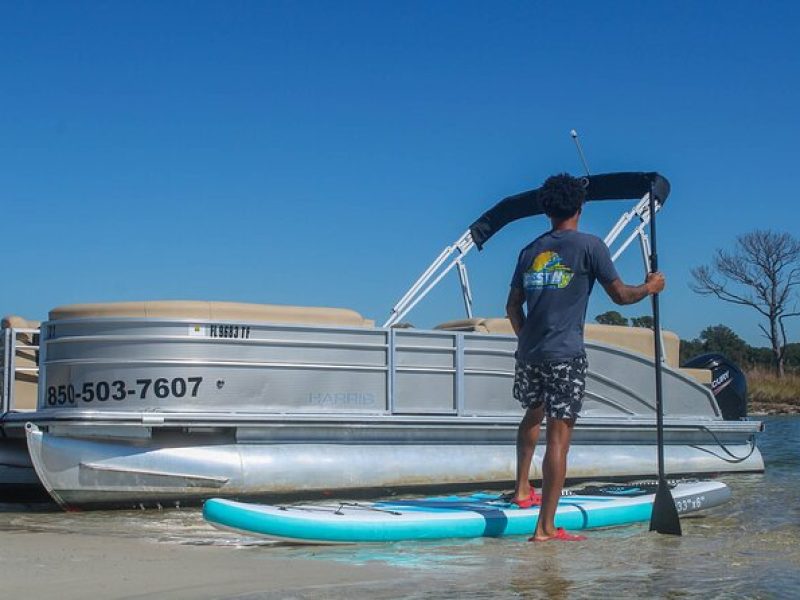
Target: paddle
665, 516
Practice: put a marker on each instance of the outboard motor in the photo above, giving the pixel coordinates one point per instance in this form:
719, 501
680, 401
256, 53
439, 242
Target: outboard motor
728, 384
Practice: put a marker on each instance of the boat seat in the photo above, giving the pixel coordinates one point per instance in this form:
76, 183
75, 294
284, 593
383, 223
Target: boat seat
481, 325
25, 382
17, 322
222, 311
636, 339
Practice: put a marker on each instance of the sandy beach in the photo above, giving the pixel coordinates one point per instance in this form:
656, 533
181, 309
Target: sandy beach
71, 565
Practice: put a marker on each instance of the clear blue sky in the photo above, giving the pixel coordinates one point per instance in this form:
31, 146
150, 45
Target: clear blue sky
322, 153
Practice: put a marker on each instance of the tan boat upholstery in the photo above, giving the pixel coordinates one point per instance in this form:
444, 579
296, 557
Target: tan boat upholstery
637, 339
701, 375
210, 311
25, 382
17, 322
481, 325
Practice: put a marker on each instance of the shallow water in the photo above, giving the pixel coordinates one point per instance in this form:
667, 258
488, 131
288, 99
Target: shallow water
748, 548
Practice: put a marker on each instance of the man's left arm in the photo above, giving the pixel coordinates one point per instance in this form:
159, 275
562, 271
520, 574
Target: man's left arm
516, 298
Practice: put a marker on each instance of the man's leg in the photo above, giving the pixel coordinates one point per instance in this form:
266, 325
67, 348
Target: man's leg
527, 436
554, 471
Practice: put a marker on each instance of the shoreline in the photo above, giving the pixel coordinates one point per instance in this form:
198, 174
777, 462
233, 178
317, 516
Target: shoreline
765, 409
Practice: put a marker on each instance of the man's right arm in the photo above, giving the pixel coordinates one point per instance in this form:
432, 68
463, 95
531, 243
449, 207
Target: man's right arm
630, 294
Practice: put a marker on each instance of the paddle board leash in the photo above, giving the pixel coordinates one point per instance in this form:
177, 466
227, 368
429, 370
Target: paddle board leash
664, 518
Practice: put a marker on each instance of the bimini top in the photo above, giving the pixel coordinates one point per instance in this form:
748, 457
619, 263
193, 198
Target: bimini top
608, 186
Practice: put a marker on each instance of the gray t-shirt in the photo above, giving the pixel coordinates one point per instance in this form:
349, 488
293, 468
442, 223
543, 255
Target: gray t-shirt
557, 272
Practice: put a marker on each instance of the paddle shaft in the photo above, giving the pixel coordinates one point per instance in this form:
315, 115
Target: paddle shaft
657, 339
665, 516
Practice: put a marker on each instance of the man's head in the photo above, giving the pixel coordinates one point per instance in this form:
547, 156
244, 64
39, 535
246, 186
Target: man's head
562, 196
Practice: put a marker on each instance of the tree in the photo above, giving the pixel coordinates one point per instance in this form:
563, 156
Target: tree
645, 321
722, 339
762, 272
612, 317
689, 349
793, 356
760, 357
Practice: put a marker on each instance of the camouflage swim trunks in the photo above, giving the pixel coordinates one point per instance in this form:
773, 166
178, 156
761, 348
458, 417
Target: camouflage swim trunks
557, 385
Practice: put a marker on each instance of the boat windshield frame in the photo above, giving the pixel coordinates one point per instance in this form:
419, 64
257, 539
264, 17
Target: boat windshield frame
601, 187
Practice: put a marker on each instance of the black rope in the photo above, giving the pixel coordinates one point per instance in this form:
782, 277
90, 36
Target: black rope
736, 459
337, 510
358, 506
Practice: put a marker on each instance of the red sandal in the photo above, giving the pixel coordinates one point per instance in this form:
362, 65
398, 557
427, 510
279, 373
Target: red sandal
562, 536
533, 499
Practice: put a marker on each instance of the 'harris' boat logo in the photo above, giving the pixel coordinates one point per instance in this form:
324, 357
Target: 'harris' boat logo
547, 271
342, 399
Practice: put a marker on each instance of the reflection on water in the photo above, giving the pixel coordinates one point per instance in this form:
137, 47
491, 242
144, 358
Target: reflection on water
747, 548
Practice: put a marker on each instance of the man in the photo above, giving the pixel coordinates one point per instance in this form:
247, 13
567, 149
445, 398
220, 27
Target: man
554, 277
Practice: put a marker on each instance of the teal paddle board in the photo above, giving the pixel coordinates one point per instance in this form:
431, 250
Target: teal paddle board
476, 515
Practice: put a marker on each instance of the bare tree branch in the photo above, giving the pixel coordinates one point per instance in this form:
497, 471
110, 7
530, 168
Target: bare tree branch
762, 272
706, 285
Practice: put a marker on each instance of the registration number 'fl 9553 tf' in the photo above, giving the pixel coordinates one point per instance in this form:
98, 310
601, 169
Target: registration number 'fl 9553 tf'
142, 389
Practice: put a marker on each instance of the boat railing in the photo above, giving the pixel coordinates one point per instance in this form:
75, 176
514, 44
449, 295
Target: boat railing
155, 367
19, 369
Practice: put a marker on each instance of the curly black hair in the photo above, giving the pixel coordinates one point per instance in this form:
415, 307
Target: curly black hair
562, 196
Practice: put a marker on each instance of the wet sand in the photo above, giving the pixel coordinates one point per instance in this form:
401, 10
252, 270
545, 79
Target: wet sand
71, 565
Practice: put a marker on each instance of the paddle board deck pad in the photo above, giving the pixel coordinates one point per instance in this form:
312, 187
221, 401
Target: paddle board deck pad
477, 515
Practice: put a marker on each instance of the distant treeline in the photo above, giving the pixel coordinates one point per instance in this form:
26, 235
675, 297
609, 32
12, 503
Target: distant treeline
716, 338
722, 339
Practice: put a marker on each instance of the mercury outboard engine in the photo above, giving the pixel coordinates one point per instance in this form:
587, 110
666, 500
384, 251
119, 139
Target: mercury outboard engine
728, 384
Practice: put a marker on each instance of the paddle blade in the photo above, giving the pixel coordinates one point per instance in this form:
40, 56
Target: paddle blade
665, 516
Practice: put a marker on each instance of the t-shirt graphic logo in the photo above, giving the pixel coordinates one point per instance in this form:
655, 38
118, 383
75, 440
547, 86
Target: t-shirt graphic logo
548, 271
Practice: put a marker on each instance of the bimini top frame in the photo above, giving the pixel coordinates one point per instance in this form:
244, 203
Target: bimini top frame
608, 186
